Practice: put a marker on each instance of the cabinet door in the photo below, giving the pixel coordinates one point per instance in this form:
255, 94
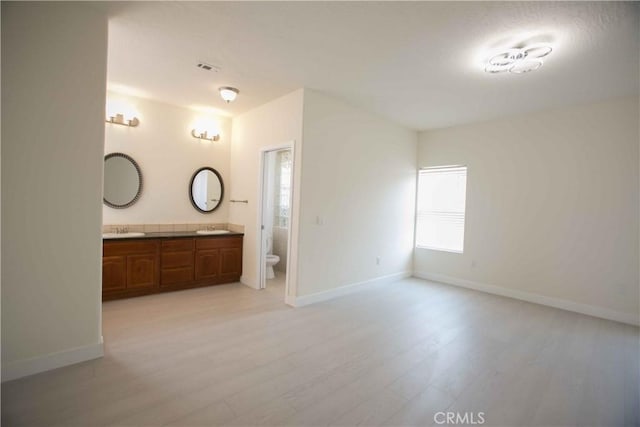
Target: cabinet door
230, 264
114, 273
142, 271
207, 264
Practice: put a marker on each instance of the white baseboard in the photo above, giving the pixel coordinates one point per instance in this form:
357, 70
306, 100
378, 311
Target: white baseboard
246, 282
563, 304
344, 290
23, 368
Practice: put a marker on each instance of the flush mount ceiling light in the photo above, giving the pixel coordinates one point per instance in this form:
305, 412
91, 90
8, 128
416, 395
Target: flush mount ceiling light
518, 61
228, 93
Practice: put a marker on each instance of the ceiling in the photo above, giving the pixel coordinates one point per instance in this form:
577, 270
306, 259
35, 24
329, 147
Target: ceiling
419, 64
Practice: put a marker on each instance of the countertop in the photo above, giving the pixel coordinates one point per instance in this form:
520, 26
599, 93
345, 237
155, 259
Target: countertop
174, 234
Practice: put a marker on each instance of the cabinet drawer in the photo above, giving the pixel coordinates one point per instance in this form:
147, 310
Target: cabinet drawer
129, 247
219, 242
177, 245
177, 259
176, 275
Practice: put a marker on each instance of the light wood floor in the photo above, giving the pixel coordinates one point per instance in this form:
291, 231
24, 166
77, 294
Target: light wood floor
393, 355
276, 286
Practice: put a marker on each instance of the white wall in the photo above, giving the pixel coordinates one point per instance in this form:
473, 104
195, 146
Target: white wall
552, 205
0, 208
53, 99
358, 179
275, 123
168, 156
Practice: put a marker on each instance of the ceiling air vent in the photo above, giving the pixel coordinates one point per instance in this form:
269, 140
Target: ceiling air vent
208, 67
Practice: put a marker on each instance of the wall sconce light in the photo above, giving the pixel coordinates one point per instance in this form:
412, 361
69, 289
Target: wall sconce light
118, 119
205, 136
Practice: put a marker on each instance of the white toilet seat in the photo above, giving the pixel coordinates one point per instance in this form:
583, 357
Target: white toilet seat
273, 259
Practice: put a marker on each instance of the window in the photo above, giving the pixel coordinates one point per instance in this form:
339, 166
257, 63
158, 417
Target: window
283, 188
440, 208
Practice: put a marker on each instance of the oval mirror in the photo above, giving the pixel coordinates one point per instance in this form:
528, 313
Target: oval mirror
206, 190
122, 181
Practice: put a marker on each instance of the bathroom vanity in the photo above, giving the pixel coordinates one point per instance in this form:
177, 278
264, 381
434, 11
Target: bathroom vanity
160, 262
136, 263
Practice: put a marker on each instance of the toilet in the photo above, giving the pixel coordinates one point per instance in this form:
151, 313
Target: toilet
271, 259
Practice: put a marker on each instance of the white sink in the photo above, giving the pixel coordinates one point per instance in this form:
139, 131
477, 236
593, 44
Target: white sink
213, 231
122, 235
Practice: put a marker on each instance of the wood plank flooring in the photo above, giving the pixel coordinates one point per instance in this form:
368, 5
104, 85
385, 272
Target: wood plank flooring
393, 355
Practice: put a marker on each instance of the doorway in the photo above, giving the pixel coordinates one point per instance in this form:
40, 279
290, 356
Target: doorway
275, 218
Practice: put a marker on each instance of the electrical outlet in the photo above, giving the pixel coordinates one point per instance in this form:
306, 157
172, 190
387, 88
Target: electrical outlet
473, 263
377, 260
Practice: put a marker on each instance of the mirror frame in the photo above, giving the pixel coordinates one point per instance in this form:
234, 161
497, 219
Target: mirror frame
141, 182
193, 177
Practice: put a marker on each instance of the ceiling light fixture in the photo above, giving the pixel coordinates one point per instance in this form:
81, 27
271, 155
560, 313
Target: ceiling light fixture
228, 93
518, 61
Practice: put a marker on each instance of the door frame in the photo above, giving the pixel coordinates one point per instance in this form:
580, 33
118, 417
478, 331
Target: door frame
261, 247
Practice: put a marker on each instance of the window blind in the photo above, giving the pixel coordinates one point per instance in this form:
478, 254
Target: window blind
440, 215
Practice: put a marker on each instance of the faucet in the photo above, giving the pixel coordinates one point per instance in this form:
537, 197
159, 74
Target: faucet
211, 227
122, 230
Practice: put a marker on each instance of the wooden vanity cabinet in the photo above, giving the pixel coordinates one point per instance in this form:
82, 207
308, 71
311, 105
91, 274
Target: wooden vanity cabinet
177, 262
114, 273
129, 268
207, 264
230, 264
219, 259
145, 266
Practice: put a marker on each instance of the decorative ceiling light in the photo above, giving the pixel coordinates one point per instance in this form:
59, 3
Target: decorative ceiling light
518, 61
228, 93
